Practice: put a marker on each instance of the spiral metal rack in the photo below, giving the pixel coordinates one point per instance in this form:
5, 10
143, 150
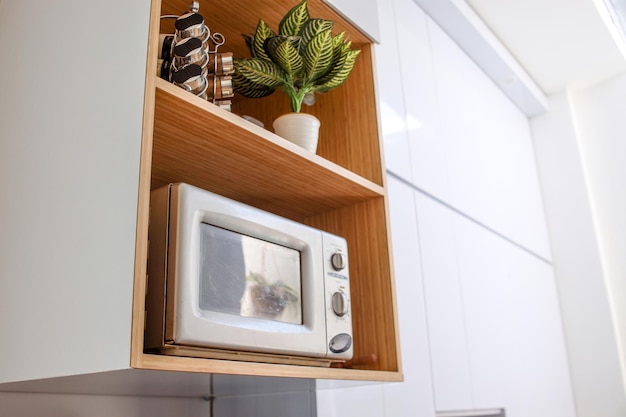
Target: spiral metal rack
189, 58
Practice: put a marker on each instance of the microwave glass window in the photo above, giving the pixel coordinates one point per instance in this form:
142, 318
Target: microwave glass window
248, 277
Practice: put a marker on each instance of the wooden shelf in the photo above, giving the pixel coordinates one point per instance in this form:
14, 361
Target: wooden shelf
198, 143
340, 190
197, 365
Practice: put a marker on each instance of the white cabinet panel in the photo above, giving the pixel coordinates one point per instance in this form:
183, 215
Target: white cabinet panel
463, 108
541, 387
484, 270
414, 396
489, 155
451, 131
444, 306
390, 90
427, 150
69, 159
493, 318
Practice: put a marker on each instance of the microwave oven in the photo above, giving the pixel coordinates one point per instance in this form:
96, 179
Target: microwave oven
227, 277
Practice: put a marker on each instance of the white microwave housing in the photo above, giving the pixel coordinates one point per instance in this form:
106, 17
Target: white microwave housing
174, 318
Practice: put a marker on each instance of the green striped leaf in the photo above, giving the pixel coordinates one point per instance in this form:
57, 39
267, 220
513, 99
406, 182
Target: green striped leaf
263, 32
312, 28
318, 55
261, 72
294, 20
339, 72
287, 56
248, 89
339, 40
271, 44
340, 45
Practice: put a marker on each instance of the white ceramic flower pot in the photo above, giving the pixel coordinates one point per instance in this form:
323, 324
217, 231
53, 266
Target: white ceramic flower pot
299, 128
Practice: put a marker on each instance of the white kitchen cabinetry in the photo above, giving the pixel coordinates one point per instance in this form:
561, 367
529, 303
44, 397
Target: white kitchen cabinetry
427, 150
470, 146
490, 160
484, 267
542, 386
444, 306
414, 396
493, 319
390, 95
71, 114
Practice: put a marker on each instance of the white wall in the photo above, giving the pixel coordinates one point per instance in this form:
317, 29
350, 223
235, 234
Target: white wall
577, 146
599, 111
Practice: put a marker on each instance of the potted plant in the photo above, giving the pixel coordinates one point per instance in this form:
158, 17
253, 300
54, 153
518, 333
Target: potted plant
302, 59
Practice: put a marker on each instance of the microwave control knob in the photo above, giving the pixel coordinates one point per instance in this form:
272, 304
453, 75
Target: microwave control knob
338, 261
340, 343
340, 304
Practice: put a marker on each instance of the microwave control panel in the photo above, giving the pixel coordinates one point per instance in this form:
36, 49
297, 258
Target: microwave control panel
337, 294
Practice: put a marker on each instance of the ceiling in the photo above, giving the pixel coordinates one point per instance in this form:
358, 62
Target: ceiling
560, 43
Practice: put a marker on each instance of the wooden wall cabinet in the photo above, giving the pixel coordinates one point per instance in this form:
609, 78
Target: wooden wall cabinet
340, 190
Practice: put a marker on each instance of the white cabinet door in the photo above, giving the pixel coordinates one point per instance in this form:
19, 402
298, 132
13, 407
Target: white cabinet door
484, 270
542, 385
414, 396
516, 346
71, 105
467, 143
422, 121
390, 94
493, 318
444, 306
489, 157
